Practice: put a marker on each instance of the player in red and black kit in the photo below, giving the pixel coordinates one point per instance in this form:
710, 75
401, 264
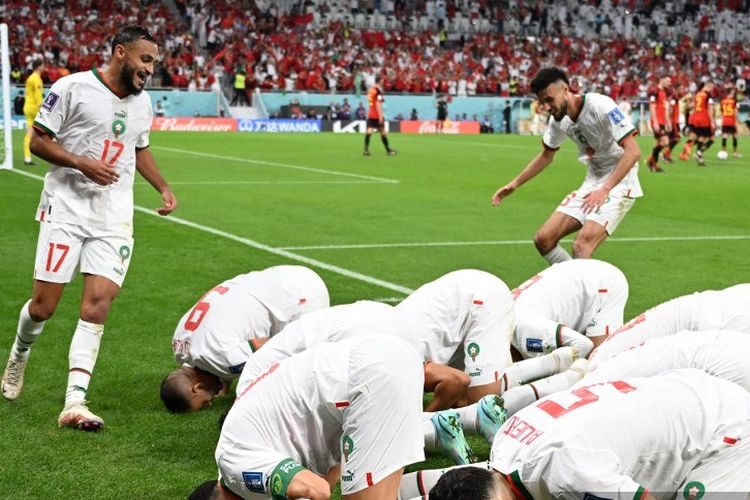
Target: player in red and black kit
701, 123
729, 121
674, 113
375, 116
658, 107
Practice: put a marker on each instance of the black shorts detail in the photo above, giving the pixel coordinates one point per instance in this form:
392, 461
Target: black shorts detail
373, 123
728, 129
702, 131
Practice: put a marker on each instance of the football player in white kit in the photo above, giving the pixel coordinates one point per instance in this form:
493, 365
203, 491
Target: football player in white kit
464, 319
343, 410
683, 432
93, 129
721, 353
214, 339
726, 309
575, 303
606, 142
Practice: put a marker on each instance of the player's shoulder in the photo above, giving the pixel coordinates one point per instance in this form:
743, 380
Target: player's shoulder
600, 101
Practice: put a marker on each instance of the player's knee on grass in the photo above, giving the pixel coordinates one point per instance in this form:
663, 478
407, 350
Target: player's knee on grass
189, 389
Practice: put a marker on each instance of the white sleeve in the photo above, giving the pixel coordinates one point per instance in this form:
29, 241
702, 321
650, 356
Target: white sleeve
577, 473
619, 124
143, 137
554, 136
54, 109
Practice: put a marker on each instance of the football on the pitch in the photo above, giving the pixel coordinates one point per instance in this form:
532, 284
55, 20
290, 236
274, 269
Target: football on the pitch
722, 155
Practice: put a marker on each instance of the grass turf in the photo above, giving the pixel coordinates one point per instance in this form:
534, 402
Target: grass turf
278, 190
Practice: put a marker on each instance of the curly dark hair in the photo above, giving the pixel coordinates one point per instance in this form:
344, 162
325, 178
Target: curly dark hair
129, 34
546, 77
464, 483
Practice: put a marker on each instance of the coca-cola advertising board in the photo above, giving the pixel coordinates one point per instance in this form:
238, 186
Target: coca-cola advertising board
430, 127
186, 124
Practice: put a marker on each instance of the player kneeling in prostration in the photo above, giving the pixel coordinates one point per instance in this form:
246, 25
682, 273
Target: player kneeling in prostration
214, 339
344, 410
710, 310
685, 432
720, 353
575, 303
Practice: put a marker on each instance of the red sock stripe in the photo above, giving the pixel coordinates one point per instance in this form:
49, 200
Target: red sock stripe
536, 393
368, 476
420, 484
505, 381
79, 370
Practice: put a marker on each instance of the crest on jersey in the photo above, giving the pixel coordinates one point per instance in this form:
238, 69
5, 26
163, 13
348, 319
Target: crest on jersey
118, 127
616, 116
694, 490
124, 253
347, 447
254, 481
50, 102
473, 350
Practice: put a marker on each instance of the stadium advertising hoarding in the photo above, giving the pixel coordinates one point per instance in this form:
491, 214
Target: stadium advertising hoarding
428, 127
279, 125
355, 126
17, 122
195, 124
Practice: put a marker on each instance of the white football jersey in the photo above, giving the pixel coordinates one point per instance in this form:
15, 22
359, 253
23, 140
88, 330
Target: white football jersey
215, 334
597, 131
363, 318
723, 354
466, 313
622, 437
88, 119
710, 310
585, 295
356, 402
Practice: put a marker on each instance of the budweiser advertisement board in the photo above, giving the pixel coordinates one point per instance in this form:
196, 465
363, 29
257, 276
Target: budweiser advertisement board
195, 124
429, 127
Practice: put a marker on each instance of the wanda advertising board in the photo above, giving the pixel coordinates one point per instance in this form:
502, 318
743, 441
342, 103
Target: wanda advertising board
430, 127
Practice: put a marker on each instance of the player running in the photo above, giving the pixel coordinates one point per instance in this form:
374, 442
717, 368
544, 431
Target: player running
214, 339
345, 410
701, 124
658, 108
606, 142
575, 303
684, 432
729, 107
93, 129
674, 117
31, 105
710, 310
376, 116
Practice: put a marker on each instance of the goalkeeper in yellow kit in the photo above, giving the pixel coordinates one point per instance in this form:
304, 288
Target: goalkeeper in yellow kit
34, 96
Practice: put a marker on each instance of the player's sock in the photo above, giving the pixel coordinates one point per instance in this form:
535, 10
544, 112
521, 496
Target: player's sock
416, 485
557, 254
707, 144
82, 357
569, 337
385, 142
655, 153
734, 144
367, 142
723, 143
467, 415
522, 396
27, 148
538, 367
27, 332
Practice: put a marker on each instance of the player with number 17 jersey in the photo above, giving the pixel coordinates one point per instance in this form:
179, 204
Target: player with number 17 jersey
86, 116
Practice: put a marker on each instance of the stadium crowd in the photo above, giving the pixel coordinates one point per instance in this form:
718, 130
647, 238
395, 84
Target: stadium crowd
614, 47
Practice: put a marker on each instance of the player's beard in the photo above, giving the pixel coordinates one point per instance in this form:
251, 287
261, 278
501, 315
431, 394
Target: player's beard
562, 111
127, 74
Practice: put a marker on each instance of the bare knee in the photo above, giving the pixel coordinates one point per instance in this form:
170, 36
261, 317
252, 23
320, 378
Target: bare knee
584, 246
95, 309
41, 308
544, 242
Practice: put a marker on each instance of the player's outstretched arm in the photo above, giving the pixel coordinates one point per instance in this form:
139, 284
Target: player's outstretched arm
47, 149
539, 163
146, 166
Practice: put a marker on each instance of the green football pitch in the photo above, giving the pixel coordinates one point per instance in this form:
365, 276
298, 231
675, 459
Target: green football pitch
374, 228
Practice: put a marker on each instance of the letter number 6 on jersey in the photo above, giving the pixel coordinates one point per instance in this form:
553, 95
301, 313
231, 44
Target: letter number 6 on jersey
118, 149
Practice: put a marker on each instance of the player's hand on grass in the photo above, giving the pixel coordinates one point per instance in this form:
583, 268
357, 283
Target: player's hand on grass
98, 171
169, 202
594, 200
502, 193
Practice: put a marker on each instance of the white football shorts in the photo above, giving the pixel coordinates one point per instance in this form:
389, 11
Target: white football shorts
609, 215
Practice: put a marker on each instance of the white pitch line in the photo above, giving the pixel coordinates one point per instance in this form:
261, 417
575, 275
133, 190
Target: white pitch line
281, 165
263, 183
505, 242
388, 300
260, 246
